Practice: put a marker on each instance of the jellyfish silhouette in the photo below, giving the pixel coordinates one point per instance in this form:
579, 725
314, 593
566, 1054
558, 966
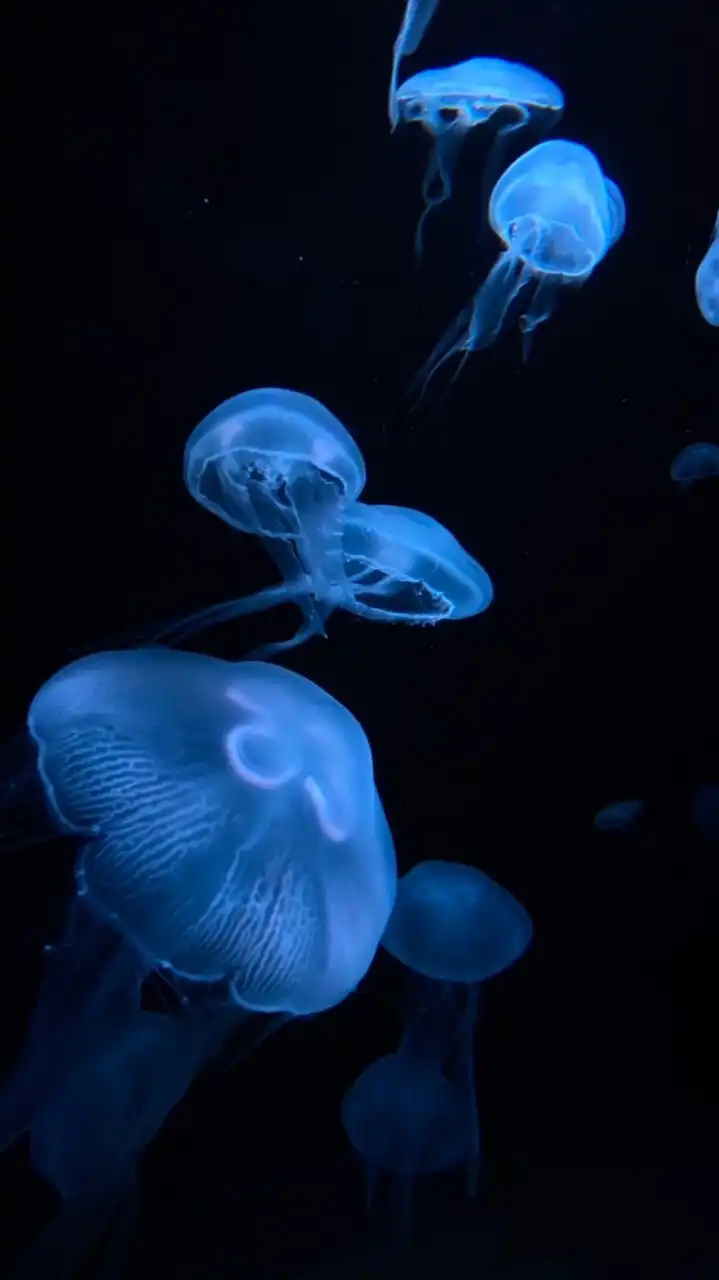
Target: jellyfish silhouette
417, 16
699, 461
406, 1119
558, 215
621, 816
232, 834
450, 101
277, 464
705, 810
453, 928
706, 280
399, 565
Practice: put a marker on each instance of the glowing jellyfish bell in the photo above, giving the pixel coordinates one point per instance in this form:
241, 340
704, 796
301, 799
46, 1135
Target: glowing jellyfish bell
399, 565
558, 215
232, 832
279, 465
451, 101
453, 928
698, 461
706, 280
417, 16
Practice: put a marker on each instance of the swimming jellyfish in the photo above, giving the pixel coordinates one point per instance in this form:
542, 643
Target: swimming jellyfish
706, 280
558, 215
453, 928
232, 833
705, 810
450, 101
699, 461
277, 464
399, 565
621, 816
417, 16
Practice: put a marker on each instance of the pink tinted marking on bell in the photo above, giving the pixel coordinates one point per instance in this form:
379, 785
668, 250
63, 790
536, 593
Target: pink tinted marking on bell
329, 828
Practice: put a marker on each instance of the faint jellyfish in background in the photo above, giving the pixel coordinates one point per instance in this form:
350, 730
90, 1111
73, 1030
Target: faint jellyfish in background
558, 215
705, 810
233, 835
398, 565
277, 464
706, 280
450, 101
417, 16
621, 817
406, 1119
453, 927
695, 462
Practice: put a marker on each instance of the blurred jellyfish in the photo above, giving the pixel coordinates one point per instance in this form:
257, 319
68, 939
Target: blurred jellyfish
88, 1139
558, 215
706, 280
232, 834
453, 928
417, 16
277, 464
450, 101
621, 816
399, 565
694, 462
705, 810
404, 1118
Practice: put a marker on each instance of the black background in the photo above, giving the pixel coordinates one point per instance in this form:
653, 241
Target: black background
206, 198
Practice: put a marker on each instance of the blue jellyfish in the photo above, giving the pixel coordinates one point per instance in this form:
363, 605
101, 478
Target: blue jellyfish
449, 101
232, 834
277, 464
399, 565
406, 1119
620, 817
706, 280
705, 810
417, 16
694, 462
453, 928
558, 215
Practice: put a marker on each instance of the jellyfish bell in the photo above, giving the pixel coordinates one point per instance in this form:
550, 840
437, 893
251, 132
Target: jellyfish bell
451, 101
416, 18
695, 462
706, 280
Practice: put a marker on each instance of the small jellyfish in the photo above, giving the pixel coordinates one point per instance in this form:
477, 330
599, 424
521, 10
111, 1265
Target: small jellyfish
406, 1119
417, 16
620, 817
558, 215
399, 565
705, 810
453, 928
706, 280
277, 464
450, 101
694, 462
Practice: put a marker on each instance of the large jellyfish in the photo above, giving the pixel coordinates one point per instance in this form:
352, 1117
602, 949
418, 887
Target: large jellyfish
417, 16
558, 215
450, 101
706, 280
698, 461
232, 835
399, 565
277, 464
453, 928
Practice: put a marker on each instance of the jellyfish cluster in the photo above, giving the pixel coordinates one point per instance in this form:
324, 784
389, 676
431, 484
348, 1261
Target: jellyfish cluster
230, 843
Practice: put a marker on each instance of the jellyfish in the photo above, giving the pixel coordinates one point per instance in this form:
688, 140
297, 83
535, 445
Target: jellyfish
405, 1119
621, 816
87, 1140
277, 464
450, 101
699, 461
399, 565
706, 280
558, 215
705, 810
417, 16
231, 834
453, 928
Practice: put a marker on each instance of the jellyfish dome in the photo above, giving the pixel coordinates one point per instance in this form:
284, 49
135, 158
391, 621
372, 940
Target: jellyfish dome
454, 924
706, 280
233, 829
696, 461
